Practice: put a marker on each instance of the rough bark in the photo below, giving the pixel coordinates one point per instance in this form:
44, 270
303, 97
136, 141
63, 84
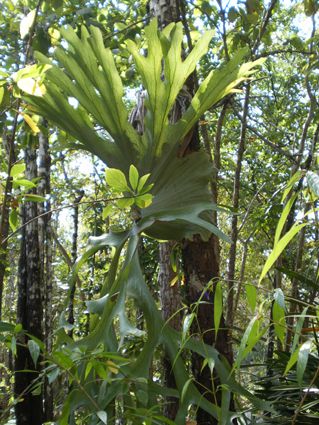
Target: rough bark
45, 244
74, 251
171, 304
201, 266
8, 144
29, 411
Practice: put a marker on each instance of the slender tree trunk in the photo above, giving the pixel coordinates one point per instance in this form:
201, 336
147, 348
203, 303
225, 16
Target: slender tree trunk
29, 411
74, 252
45, 244
8, 143
234, 223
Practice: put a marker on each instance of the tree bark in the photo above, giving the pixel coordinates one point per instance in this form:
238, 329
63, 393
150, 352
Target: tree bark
29, 410
45, 244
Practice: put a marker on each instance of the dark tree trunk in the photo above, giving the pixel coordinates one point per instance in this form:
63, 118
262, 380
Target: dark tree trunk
45, 244
8, 144
200, 261
29, 411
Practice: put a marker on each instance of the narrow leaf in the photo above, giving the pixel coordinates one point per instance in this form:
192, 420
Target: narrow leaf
142, 182
31, 123
283, 217
297, 176
279, 321
251, 292
293, 359
218, 306
303, 360
298, 328
133, 177
278, 249
313, 182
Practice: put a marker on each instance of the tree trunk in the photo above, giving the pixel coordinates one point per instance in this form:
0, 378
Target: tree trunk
8, 144
45, 244
74, 252
29, 411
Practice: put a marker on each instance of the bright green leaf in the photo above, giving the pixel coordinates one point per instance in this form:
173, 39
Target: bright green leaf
17, 169
125, 202
107, 211
13, 219
292, 361
280, 246
24, 183
133, 177
33, 198
279, 321
31, 123
116, 179
142, 182
251, 293
144, 201
283, 217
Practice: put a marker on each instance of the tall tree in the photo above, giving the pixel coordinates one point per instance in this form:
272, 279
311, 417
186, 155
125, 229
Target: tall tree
28, 388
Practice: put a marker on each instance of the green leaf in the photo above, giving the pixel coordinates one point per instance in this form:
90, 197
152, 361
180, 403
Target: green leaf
251, 292
292, 361
102, 415
296, 177
279, 298
218, 306
280, 246
187, 323
31, 123
53, 375
30, 197
142, 182
1, 94
13, 219
249, 335
125, 202
6, 327
13, 346
283, 217
24, 183
17, 170
107, 211
303, 360
313, 182
116, 180
298, 329
144, 201
26, 23
279, 321
185, 388
34, 351
133, 177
